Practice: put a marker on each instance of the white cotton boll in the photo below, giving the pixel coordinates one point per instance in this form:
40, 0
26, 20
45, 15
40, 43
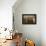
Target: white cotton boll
7, 32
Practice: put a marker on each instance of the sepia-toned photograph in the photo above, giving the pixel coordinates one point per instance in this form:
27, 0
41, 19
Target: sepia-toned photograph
29, 19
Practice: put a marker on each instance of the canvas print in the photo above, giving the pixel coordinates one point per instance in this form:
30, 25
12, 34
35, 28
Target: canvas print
29, 19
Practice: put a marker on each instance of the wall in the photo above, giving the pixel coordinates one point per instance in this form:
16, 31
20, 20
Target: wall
6, 13
43, 22
29, 31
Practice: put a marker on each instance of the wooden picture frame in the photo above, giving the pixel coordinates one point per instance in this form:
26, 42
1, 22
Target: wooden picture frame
28, 18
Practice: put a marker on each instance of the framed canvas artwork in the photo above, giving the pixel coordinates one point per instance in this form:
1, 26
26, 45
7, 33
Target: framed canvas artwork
28, 18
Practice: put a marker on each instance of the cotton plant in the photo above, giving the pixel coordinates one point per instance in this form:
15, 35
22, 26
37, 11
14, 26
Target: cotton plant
2, 32
2, 35
5, 31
